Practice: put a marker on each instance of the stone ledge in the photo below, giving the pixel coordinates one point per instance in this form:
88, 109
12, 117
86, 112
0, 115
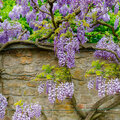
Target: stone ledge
31, 45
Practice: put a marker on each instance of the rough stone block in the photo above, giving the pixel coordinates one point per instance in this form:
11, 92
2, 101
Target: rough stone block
6, 118
14, 83
65, 108
6, 91
28, 68
25, 60
30, 92
12, 91
10, 100
32, 84
85, 99
78, 74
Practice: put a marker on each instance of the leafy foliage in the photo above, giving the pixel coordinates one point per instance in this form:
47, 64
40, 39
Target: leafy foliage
105, 69
20, 103
57, 74
7, 7
69, 26
102, 30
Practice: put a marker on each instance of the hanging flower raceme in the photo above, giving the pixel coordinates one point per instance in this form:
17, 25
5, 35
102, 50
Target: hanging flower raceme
27, 112
66, 47
15, 13
116, 23
59, 91
106, 43
104, 87
11, 31
3, 105
116, 9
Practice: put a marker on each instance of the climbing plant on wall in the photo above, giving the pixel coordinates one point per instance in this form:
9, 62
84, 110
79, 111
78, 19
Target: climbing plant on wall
68, 25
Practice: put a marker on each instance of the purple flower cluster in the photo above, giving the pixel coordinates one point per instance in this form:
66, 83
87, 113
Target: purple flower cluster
69, 89
64, 10
116, 23
11, 31
32, 4
116, 8
41, 87
105, 43
3, 105
26, 112
113, 86
66, 51
103, 87
66, 47
15, 13
64, 7
81, 34
91, 84
51, 89
30, 16
61, 91
22, 8
106, 17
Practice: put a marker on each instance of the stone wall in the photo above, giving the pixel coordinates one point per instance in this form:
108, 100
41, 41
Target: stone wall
20, 66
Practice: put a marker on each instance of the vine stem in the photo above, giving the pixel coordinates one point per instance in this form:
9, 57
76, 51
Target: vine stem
97, 105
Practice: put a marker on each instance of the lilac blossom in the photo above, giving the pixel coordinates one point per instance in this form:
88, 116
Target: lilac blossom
3, 105
27, 112
59, 91
104, 87
106, 43
116, 23
116, 9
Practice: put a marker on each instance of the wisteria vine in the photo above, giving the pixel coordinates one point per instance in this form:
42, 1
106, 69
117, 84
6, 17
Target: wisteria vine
54, 90
105, 87
27, 112
70, 21
86, 13
3, 105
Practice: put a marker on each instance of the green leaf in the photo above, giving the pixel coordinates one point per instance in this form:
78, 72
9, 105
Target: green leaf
98, 72
91, 71
49, 76
41, 75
